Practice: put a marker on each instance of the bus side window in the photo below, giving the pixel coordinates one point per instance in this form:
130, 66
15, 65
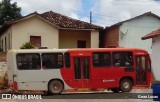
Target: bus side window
52, 60
101, 59
28, 61
149, 64
67, 60
122, 59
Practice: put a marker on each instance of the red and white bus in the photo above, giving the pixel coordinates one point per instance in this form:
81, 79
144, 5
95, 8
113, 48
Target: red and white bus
56, 70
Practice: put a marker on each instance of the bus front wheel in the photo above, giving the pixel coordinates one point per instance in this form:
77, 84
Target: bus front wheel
55, 87
126, 85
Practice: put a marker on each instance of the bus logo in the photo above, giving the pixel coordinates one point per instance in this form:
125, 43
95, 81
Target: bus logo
6, 96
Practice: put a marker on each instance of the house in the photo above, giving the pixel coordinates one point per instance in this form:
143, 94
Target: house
128, 33
155, 36
50, 30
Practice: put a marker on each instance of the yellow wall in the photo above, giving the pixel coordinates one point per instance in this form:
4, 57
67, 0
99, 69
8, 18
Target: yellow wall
34, 26
68, 38
95, 39
51, 36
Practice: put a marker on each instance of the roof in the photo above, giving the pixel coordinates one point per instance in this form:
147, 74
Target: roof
67, 22
36, 50
105, 49
7, 24
152, 34
145, 14
74, 49
59, 20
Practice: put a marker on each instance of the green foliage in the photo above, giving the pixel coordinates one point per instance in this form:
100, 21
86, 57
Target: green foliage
27, 45
9, 11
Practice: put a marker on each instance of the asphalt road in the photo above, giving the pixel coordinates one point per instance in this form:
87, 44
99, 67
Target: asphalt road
107, 95
89, 97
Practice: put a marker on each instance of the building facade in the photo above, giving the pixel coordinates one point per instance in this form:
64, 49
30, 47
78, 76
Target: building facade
155, 36
51, 30
128, 33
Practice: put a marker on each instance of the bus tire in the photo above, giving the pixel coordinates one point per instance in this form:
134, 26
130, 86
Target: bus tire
115, 90
55, 87
126, 85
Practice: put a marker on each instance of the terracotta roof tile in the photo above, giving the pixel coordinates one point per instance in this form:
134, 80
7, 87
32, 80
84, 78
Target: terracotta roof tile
152, 34
61, 21
67, 22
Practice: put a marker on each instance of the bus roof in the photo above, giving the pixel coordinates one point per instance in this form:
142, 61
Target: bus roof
74, 50
36, 50
106, 49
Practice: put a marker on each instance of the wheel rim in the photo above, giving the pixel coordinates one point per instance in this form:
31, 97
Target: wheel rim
56, 87
126, 85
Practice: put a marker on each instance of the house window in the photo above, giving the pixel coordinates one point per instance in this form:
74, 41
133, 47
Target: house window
36, 41
5, 44
9, 46
2, 45
81, 44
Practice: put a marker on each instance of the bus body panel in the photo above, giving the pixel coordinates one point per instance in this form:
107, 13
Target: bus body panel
31, 79
11, 72
88, 76
107, 77
36, 79
99, 77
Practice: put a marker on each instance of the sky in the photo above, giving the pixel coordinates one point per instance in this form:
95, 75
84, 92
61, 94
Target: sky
104, 12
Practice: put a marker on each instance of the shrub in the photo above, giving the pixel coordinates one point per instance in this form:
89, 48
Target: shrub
27, 45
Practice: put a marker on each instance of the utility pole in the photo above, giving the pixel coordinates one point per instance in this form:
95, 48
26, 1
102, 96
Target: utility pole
90, 17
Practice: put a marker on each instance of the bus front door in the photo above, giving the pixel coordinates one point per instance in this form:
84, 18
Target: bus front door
81, 72
141, 70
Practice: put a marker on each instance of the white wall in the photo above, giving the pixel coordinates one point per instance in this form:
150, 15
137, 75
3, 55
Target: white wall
34, 26
135, 29
94, 39
156, 58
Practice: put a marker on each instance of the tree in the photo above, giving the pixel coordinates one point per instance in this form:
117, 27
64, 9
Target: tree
9, 11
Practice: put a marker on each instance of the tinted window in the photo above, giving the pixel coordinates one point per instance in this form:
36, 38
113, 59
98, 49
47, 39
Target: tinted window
149, 66
122, 59
28, 61
52, 60
67, 60
101, 59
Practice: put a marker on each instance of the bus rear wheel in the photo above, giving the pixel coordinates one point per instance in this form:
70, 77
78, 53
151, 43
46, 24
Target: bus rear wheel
126, 85
55, 87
